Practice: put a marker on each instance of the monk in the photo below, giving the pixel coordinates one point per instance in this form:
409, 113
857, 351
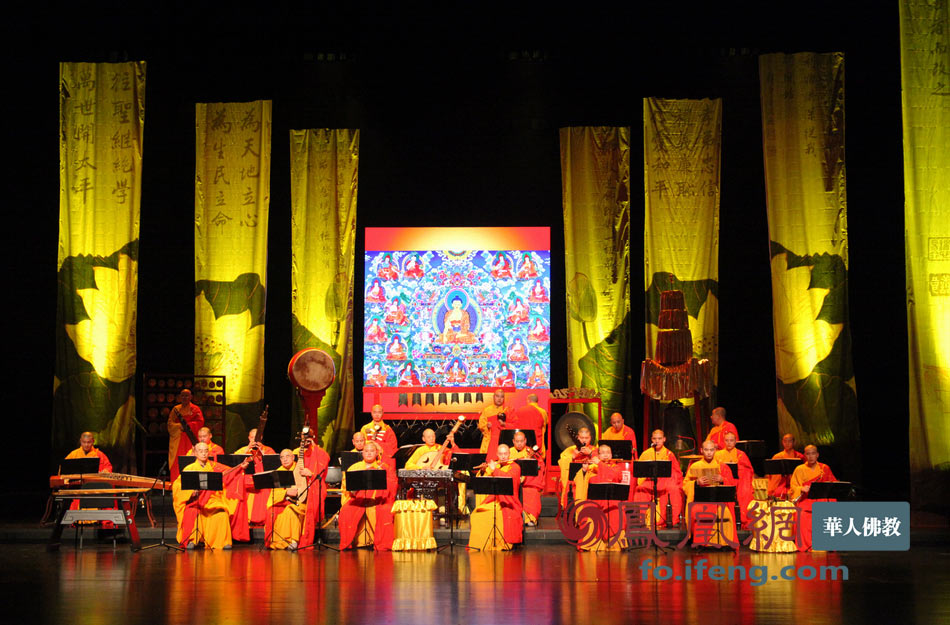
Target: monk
87, 449
531, 486
366, 516
286, 510
488, 423
531, 417
204, 513
377, 431
204, 436
802, 479
620, 432
778, 484
359, 441
503, 510
601, 470
311, 474
574, 454
178, 442
744, 492
669, 489
707, 471
721, 427
416, 460
255, 502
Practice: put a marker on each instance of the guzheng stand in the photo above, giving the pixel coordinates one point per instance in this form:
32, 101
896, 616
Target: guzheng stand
125, 516
163, 542
493, 486
367, 479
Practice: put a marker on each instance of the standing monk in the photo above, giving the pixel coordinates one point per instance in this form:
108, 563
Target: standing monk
721, 427
377, 431
802, 479
87, 449
489, 425
731, 455
778, 484
532, 417
669, 489
178, 441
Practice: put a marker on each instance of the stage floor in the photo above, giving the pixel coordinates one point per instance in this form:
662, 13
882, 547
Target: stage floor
540, 584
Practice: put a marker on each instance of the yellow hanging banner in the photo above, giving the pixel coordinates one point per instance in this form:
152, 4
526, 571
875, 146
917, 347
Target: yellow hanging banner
232, 200
803, 127
925, 78
324, 172
595, 191
681, 157
102, 117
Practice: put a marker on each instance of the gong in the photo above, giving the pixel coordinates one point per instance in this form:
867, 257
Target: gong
571, 421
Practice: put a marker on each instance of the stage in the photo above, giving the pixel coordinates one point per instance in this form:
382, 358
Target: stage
543, 584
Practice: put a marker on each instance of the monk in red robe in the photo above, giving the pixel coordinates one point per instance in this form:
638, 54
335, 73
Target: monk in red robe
533, 485
178, 441
620, 432
247, 505
531, 417
87, 449
366, 516
802, 479
204, 513
313, 469
669, 489
731, 455
602, 470
720, 428
778, 484
378, 431
494, 508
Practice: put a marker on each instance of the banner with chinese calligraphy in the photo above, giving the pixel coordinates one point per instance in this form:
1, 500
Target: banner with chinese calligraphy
802, 98
681, 158
324, 171
102, 117
595, 191
925, 77
232, 199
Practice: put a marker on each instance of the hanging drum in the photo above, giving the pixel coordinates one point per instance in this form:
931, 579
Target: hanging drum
311, 371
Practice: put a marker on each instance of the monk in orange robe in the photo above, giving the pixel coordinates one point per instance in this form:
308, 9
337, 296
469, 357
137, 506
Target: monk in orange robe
494, 508
744, 492
721, 427
531, 417
313, 469
620, 432
705, 472
377, 431
778, 484
601, 470
488, 423
802, 479
87, 449
287, 508
366, 516
669, 489
247, 505
204, 513
178, 442
574, 453
531, 486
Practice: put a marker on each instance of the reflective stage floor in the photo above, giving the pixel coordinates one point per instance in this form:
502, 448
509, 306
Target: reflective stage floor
540, 584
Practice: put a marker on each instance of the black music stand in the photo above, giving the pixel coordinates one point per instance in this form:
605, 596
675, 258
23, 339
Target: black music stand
609, 491
718, 494
200, 480
184, 461
734, 467
507, 437
529, 466
349, 458
367, 479
162, 543
620, 450
269, 480
496, 486
79, 466
781, 466
829, 490
654, 470
270, 462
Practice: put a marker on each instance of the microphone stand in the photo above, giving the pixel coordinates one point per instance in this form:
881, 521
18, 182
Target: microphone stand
163, 543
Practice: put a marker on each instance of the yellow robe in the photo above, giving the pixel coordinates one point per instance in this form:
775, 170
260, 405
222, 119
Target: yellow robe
212, 525
693, 473
488, 411
564, 464
289, 523
413, 462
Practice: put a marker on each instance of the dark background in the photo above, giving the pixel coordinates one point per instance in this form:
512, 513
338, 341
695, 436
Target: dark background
459, 113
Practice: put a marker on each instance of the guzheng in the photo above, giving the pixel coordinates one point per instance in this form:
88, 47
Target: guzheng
121, 480
426, 482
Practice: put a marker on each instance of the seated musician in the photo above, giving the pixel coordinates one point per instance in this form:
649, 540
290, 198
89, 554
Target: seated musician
311, 474
179, 443
600, 470
802, 479
359, 441
669, 489
366, 516
204, 436
244, 492
574, 453
531, 486
744, 491
707, 471
87, 449
620, 432
286, 509
426, 456
778, 484
377, 430
498, 516
203, 516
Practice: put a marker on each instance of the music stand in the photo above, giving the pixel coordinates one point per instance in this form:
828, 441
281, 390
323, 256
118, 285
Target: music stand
507, 437
529, 466
609, 491
716, 494
184, 461
496, 486
781, 466
654, 470
620, 450
734, 467
367, 479
79, 466
829, 490
162, 471
200, 480
269, 480
270, 462
349, 458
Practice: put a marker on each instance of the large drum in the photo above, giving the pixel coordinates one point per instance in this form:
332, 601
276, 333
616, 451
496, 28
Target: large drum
311, 370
